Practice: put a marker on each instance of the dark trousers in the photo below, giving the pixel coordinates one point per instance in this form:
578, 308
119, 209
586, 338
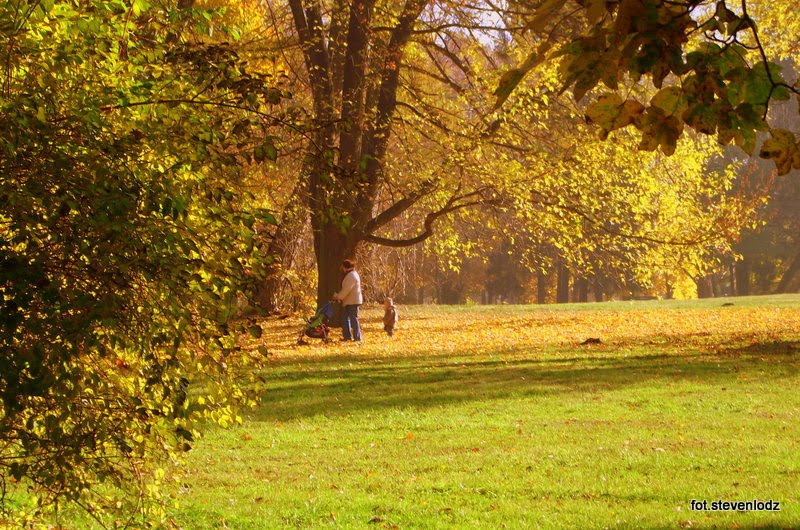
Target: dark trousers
351, 329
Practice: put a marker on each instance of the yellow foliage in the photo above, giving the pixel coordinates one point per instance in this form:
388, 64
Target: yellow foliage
685, 289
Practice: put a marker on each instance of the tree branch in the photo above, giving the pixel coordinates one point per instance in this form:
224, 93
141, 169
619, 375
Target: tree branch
453, 204
354, 81
308, 23
618, 233
399, 207
376, 139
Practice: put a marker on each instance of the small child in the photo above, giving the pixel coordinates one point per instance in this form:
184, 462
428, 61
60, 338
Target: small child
389, 316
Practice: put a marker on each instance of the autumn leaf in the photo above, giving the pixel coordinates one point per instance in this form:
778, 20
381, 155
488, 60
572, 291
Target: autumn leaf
595, 10
544, 14
671, 100
611, 113
703, 118
659, 130
508, 82
255, 331
783, 149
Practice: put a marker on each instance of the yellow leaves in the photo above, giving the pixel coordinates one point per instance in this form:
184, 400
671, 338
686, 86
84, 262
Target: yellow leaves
529, 330
611, 113
512, 78
782, 147
671, 100
545, 14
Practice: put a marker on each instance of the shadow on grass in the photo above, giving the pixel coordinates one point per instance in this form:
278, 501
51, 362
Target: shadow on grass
341, 384
766, 349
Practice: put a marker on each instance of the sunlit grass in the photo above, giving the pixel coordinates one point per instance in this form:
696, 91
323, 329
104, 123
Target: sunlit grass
491, 417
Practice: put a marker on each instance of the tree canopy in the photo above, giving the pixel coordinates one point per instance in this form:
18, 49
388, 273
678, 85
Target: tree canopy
706, 59
402, 119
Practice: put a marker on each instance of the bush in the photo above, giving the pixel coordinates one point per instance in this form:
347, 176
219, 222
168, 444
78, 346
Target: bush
123, 246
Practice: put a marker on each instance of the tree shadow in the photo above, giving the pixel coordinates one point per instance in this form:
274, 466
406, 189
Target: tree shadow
765, 349
343, 384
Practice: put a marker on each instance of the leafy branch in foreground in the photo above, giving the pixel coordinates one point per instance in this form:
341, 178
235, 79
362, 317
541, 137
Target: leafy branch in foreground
706, 60
123, 248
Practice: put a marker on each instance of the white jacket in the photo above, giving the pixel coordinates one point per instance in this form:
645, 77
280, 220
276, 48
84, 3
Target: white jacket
351, 290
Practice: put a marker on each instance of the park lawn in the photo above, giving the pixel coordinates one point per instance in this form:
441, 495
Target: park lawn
498, 417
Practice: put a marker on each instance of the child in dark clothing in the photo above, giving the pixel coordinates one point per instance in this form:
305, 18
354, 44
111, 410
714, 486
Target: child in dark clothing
389, 316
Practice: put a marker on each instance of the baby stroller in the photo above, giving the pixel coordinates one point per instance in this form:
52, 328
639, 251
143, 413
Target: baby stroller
317, 326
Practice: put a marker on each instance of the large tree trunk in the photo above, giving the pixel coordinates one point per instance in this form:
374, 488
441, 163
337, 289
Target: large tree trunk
355, 112
331, 247
599, 294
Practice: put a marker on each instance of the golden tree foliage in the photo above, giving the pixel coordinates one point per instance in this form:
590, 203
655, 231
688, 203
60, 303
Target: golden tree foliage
706, 59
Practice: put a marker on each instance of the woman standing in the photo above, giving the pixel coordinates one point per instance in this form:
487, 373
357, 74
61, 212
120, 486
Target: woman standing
351, 299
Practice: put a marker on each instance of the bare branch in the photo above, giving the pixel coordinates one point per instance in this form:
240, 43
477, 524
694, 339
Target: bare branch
455, 203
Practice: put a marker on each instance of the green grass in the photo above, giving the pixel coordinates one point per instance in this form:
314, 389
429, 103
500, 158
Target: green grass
497, 417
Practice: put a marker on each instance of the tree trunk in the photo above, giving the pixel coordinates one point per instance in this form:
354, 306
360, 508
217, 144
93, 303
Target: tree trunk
715, 287
562, 289
582, 290
541, 288
669, 291
704, 288
598, 289
354, 82
331, 248
742, 277
790, 274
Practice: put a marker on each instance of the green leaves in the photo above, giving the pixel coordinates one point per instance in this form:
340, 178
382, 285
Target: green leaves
265, 151
125, 250
756, 86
